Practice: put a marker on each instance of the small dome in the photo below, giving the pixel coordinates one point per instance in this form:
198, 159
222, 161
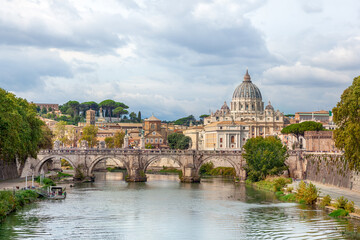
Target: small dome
225, 107
247, 89
269, 107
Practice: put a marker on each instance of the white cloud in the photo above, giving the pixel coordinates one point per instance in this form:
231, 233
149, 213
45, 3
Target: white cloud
176, 58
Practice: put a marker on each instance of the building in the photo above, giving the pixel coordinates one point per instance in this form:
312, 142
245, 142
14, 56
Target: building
230, 127
225, 135
319, 141
153, 132
316, 116
90, 117
48, 106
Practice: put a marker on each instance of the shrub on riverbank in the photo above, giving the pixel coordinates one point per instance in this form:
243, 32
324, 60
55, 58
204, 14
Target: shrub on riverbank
46, 182
207, 169
343, 203
9, 201
307, 194
339, 213
115, 169
274, 184
325, 201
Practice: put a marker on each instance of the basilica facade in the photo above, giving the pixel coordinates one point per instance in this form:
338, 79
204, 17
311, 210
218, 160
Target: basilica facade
229, 128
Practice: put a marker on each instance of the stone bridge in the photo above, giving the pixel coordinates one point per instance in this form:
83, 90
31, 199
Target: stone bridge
135, 161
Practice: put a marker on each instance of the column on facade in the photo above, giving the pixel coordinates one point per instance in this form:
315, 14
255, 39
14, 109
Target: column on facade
226, 140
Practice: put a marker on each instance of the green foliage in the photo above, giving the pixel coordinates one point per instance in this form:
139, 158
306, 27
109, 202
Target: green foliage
89, 134
119, 139
264, 157
223, 171
347, 119
178, 141
185, 121
289, 189
206, 168
109, 105
273, 184
298, 129
170, 170
339, 213
204, 116
9, 201
280, 183
149, 146
46, 182
119, 111
89, 105
325, 201
20, 129
139, 117
291, 197
341, 202
109, 141
350, 207
46, 138
64, 175
307, 193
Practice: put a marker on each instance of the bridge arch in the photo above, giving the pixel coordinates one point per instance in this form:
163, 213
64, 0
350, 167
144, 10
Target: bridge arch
239, 170
157, 158
39, 166
101, 158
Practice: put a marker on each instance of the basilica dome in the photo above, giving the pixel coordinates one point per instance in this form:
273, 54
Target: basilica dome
247, 89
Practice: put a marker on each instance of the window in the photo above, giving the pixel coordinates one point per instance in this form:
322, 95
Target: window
151, 140
147, 140
156, 140
153, 133
221, 140
160, 140
220, 128
232, 139
221, 145
152, 126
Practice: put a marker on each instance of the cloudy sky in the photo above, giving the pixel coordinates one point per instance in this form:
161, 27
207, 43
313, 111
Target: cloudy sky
176, 58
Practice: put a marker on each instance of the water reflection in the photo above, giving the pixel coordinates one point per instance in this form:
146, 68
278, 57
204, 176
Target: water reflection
164, 208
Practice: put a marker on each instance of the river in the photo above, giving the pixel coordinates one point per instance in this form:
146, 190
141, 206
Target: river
164, 208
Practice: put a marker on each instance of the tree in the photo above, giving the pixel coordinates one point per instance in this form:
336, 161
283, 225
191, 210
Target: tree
60, 132
109, 105
120, 104
20, 129
109, 141
347, 118
46, 139
203, 116
178, 141
119, 111
149, 146
89, 134
44, 110
73, 136
264, 156
119, 139
139, 117
88, 105
298, 129
185, 121
133, 117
